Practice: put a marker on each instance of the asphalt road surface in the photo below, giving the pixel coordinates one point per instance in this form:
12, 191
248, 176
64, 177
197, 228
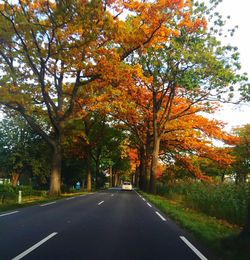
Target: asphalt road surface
112, 224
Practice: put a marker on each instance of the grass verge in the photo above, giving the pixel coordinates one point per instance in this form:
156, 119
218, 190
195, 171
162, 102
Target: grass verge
34, 200
209, 230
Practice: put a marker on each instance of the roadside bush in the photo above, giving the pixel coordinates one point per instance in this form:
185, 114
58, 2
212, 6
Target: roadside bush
9, 194
223, 201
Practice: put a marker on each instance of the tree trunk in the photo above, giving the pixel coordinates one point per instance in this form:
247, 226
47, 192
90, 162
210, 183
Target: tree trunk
144, 167
245, 233
55, 177
83, 183
88, 167
141, 174
15, 178
97, 173
148, 159
89, 182
116, 179
113, 178
154, 164
148, 173
110, 177
136, 176
156, 148
222, 177
142, 170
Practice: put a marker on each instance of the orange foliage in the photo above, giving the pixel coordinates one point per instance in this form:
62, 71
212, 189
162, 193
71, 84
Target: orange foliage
186, 131
134, 160
160, 170
187, 162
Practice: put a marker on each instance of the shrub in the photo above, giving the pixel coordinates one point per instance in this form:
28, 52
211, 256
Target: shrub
223, 201
9, 194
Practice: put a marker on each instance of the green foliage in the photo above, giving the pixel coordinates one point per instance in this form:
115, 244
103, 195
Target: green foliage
196, 62
223, 201
22, 150
209, 230
95, 135
241, 152
9, 194
73, 171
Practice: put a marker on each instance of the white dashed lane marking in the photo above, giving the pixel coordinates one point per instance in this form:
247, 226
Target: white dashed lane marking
23, 254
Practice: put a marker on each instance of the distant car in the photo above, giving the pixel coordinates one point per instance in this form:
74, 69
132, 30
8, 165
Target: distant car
126, 185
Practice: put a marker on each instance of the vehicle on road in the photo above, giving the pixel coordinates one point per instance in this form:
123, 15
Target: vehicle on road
126, 185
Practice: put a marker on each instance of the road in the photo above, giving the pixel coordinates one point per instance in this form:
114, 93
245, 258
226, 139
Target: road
111, 224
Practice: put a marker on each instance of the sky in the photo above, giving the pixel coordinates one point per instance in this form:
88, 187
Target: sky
239, 15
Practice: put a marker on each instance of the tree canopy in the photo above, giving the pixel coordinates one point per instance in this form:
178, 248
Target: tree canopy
76, 70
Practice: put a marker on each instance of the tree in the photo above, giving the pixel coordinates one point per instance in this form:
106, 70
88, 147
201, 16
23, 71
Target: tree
242, 153
191, 65
22, 152
51, 49
92, 139
242, 168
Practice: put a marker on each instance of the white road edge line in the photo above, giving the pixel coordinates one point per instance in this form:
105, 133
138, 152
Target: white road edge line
20, 256
160, 216
143, 199
85, 194
149, 205
100, 202
46, 204
138, 194
196, 251
71, 198
10, 213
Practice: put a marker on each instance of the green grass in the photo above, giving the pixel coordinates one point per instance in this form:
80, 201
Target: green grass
209, 230
223, 201
29, 200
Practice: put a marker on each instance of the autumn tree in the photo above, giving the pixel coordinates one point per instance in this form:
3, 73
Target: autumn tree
189, 135
192, 138
51, 49
130, 111
36, 39
190, 65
